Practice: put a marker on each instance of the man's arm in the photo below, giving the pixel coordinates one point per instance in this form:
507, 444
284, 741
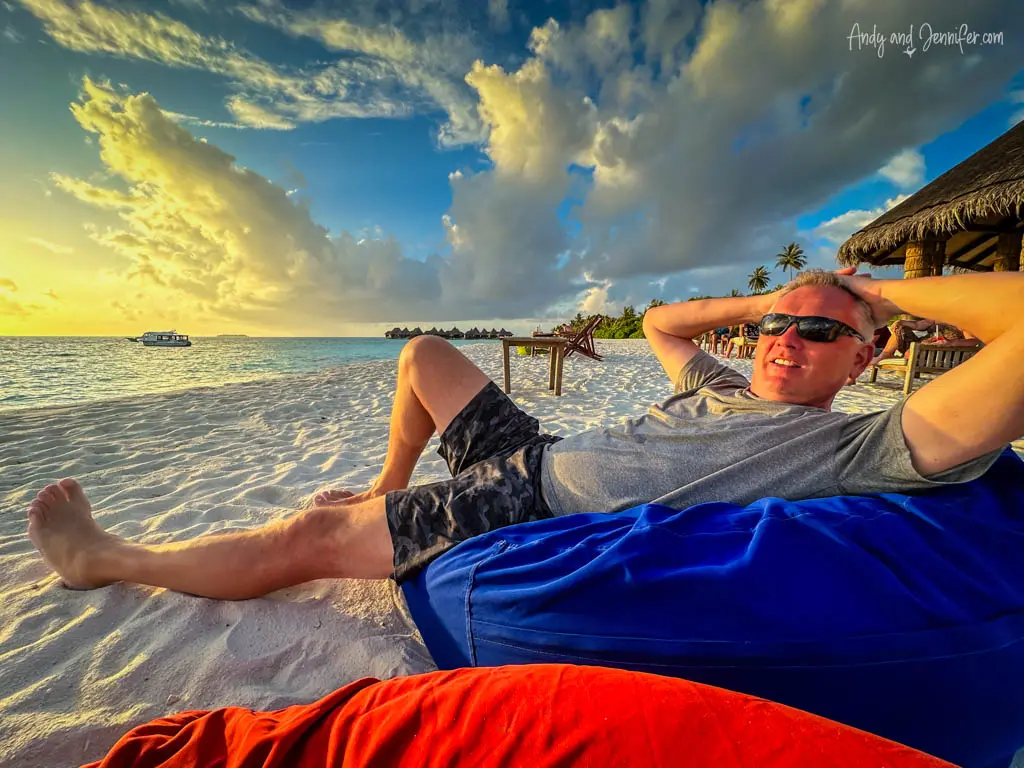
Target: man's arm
671, 328
979, 405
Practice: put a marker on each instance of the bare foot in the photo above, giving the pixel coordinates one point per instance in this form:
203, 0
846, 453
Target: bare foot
60, 525
332, 497
346, 497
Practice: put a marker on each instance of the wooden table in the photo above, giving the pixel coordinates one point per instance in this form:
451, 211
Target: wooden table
557, 346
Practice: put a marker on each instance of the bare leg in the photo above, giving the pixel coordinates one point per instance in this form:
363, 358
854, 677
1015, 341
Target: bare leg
435, 382
890, 347
320, 543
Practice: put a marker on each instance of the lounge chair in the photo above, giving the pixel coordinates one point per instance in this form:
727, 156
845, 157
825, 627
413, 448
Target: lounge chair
924, 358
745, 341
583, 341
713, 341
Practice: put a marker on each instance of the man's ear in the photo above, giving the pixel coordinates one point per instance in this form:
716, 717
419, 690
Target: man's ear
865, 355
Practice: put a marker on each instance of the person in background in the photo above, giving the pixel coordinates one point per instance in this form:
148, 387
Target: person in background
906, 331
749, 331
720, 339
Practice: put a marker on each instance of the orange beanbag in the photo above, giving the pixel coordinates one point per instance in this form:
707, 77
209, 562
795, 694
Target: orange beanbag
537, 716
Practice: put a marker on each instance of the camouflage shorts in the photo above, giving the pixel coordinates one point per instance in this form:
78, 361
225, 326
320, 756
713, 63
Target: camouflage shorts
493, 450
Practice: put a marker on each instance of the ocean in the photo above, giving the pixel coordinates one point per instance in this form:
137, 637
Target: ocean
39, 371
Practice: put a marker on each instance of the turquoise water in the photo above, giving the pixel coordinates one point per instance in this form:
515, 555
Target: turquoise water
44, 371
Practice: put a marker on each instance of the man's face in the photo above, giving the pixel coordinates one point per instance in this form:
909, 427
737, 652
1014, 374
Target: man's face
816, 370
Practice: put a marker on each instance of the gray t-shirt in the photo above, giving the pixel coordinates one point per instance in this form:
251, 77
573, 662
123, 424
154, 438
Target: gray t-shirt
714, 440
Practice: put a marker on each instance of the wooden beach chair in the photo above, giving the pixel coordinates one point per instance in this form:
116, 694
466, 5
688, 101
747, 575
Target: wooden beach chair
713, 342
924, 358
742, 343
583, 341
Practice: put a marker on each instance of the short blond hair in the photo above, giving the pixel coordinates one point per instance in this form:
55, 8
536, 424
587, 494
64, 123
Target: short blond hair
820, 278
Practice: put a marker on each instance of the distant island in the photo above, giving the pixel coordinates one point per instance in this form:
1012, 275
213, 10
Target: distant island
232, 336
454, 333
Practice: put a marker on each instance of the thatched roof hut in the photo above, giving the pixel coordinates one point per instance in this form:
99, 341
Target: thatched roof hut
971, 217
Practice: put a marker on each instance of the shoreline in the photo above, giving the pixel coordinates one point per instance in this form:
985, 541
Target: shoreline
7, 410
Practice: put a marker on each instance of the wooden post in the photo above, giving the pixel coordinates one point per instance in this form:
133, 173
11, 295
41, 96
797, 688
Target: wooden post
924, 258
559, 354
508, 374
938, 255
908, 382
915, 264
551, 367
1008, 252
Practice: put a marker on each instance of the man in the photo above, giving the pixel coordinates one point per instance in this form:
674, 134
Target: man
718, 438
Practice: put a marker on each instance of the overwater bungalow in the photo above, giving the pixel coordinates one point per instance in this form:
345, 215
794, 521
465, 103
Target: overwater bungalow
405, 333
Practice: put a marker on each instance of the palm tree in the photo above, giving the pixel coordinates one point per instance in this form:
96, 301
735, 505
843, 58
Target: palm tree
735, 292
759, 279
791, 257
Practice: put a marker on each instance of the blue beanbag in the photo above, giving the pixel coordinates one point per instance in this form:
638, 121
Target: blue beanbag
901, 615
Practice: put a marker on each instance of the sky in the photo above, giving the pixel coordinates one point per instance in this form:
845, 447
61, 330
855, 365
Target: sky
298, 168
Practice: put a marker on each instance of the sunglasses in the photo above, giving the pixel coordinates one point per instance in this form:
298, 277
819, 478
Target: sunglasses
809, 327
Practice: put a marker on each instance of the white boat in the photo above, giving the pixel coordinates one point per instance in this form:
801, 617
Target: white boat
162, 339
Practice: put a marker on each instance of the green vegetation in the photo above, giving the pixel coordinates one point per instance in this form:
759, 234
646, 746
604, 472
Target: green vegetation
629, 325
759, 280
791, 257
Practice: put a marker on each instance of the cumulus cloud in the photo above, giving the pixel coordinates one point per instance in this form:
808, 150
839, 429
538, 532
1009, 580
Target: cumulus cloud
535, 132
227, 241
905, 169
838, 230
12, 35
594, 300
503, 235
50, 294
706, 131
52, 247
225, 238
6, 284
596, 48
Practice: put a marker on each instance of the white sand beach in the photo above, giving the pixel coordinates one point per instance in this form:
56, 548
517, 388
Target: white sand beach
77, 669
